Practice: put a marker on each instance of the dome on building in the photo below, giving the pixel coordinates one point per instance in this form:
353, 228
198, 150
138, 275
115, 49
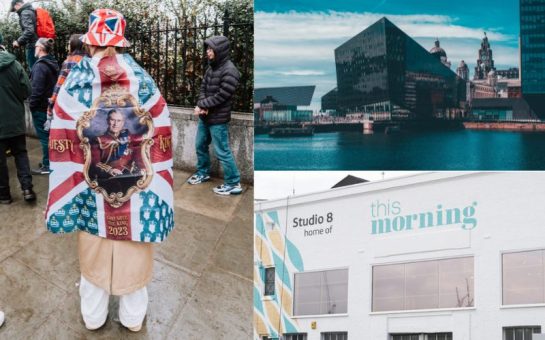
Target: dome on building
438, 50
462, 64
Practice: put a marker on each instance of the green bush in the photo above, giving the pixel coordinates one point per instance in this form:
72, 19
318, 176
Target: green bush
175, 59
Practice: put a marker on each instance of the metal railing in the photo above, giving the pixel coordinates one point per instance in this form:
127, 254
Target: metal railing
175, 57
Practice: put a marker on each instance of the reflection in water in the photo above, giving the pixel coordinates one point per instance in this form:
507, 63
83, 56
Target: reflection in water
430, 150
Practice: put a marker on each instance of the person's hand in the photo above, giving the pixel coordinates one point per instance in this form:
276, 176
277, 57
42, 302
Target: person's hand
47, 124
15, 44
116, 172
197, 111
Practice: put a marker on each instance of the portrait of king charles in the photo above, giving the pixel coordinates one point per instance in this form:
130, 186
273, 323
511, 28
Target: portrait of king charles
116, 158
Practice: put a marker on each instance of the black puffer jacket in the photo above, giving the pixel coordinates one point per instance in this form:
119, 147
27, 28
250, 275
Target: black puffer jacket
43, 78
219, 83
27, 21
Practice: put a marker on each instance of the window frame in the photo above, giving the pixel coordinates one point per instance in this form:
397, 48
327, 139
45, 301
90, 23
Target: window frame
421, 335
333, 333
426, 310
304, 334
295, 316
523, 305
265, 295
504, 328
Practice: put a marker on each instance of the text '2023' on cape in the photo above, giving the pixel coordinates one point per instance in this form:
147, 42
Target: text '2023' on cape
110, 148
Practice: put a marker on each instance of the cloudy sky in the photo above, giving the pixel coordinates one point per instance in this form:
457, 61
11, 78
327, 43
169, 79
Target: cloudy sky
281, 184
295, 39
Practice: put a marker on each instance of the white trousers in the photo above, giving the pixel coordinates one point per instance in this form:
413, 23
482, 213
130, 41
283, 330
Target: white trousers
94, 305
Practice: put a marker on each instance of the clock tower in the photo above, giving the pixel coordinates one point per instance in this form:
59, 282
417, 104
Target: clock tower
485, 62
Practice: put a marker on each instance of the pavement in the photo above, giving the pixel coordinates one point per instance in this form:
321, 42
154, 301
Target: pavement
202, 280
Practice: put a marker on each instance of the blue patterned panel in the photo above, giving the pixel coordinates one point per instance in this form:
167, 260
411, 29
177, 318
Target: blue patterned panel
79, 83
156, 216
146, 85
80, 213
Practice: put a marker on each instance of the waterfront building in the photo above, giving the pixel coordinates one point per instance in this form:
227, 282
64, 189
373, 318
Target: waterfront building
508, 88
283, 104
485, 88
501, 109
532, 53
438, 52
485, 60
288, 115
465, 260
384, 65
463, 71
329, 101
511, 73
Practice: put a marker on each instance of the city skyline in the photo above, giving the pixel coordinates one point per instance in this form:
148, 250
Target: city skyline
295, 47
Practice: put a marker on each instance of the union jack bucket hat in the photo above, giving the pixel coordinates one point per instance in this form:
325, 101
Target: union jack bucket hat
106, 28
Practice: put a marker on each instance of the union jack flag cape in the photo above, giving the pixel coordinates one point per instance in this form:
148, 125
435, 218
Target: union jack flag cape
110, 149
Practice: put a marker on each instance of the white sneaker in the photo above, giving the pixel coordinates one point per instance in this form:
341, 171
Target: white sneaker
226, 189
1, 318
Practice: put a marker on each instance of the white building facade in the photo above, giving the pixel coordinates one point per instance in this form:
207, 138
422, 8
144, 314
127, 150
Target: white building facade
426, 257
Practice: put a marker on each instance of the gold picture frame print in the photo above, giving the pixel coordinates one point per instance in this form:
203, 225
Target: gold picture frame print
117, 163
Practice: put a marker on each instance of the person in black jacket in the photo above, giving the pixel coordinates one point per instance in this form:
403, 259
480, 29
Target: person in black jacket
214, 109
14, 89
43, 78
27, 22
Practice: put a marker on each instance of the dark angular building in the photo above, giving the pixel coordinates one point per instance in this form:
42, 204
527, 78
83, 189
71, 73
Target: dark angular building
383, 69
329, 101
532, 53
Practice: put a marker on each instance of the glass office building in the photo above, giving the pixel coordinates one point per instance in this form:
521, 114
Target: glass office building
383, 64
532, 53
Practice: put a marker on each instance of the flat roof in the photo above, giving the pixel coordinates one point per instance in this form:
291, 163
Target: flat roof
368, 187
289, 95
496, 103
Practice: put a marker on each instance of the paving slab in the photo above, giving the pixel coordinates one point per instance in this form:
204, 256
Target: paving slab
210, 316
54, 257
26, 298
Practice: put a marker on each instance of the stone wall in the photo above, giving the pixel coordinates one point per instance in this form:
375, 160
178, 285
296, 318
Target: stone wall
184, 130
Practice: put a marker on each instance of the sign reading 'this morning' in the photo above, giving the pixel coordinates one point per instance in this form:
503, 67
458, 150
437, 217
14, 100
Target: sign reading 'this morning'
388, 217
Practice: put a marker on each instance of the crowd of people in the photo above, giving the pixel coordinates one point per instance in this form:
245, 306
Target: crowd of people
110, 264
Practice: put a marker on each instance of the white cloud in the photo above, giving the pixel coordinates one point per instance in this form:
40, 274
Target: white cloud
303, 73
297, 41
295, 37
280, 184
297, 26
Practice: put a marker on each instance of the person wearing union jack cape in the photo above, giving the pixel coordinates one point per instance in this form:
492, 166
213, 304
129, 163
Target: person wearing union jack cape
111, 160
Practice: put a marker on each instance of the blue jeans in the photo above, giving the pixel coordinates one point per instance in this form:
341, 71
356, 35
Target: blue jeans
218, 135
39, 118
30, 57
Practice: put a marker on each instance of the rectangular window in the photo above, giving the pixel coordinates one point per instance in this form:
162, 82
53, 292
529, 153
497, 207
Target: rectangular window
295, 336
334, 336
324, 292
422, 336
524, 277
520, 333
423, 285
269, 281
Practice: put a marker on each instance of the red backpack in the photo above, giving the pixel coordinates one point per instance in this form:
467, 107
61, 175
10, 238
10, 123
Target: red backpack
45, 28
